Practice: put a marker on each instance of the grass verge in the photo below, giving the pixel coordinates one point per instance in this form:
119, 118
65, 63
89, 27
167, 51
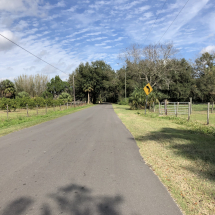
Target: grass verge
199, 114
20, 122
179, 154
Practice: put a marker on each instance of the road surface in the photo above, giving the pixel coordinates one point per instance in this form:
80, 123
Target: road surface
85, 163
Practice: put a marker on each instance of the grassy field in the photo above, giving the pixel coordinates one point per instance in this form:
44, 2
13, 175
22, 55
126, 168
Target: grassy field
199, 114
179, 155
18, 120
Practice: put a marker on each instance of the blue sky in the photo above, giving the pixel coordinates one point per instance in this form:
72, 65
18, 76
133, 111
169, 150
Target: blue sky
66, 33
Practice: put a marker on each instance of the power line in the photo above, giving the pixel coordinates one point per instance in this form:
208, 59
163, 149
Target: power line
32, 54
154, 22
173, 21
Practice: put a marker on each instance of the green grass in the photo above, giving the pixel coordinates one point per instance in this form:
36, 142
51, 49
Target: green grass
199, 114
179, 153
200, 107
18, 120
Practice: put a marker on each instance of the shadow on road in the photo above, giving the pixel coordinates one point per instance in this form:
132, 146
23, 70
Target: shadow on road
18, 206
193, 147
72, 200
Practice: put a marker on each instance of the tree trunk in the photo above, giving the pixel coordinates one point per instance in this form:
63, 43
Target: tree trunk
88, 97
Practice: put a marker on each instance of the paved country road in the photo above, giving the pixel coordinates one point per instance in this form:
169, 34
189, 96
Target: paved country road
85, 163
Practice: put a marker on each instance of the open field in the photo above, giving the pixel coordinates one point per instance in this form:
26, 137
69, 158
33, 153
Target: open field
18, 119
182, 158
199, 114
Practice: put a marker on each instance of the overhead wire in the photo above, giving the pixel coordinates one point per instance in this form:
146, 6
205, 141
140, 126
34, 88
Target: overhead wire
173, 21
33, 54
154, 22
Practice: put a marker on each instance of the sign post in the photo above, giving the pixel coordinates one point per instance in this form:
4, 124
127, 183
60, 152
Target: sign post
148, 89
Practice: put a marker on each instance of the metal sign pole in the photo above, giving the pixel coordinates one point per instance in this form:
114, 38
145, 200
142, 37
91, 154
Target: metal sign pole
146, 104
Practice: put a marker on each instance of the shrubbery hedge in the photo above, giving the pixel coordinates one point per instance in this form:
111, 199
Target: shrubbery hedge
32, 102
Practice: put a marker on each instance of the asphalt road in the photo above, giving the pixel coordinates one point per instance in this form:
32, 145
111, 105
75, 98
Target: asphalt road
85, 163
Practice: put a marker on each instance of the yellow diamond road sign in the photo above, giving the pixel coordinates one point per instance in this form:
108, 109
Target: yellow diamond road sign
148, 89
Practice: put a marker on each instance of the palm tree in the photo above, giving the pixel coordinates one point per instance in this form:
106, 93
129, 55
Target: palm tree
88, 88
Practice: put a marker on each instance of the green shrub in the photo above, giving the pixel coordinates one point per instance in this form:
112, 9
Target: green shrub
22, 102
12, 104
22, 95
41, 102
123, 101
65, 97
137, 99
49, 102
47, 95
31, 102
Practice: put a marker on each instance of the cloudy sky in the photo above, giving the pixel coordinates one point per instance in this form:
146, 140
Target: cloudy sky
65, 33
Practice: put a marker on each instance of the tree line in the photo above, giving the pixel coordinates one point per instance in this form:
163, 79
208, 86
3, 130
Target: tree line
171, 78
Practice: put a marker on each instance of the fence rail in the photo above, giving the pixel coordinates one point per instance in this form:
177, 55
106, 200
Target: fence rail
37, 110
174, 108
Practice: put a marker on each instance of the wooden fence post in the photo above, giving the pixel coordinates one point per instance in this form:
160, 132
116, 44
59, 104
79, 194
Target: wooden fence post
37, 109
190, 105
159, 108
60, 106
188, 111
177, 109
27, 108
153, 106
212, 107
67, 105
46, 108
7, 111
208, 113
165, 106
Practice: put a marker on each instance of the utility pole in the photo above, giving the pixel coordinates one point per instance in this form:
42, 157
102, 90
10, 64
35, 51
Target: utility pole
125, 85
74, 90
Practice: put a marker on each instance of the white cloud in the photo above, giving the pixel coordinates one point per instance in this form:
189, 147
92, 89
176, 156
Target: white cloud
209, 49
4, 43
43, 53
108, 47
127, 6
92, 34
13, 5
142, 9
29, 68
118, 39
72, 9
98, 38
101, 44
22, 7
21, 25
79, 32
61, 4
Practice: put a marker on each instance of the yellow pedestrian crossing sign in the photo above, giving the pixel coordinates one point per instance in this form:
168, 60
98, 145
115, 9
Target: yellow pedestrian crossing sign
148, 89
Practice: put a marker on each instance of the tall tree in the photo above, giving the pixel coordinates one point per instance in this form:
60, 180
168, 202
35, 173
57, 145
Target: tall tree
151, 63
205, 77
98, 75
182, 84
88, 88
7, 89
34, 85
56, 86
